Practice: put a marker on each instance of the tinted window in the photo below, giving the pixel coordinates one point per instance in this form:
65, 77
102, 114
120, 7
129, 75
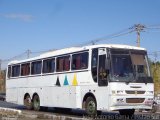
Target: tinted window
80, 61
63, 63
122, 67
15, 70
48, 65
94, 64
102, 71
25, 69
36, 67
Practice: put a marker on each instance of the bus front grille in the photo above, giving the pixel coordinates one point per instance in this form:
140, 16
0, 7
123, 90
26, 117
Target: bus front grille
135, 100
135, 92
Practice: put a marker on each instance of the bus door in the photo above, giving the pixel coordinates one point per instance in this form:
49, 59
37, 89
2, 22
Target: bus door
103, 70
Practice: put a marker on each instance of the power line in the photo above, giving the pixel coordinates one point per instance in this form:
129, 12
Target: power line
43, 51
153, 26
108, 37
27, 53
138, 28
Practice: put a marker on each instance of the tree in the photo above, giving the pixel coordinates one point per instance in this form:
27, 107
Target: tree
2, 80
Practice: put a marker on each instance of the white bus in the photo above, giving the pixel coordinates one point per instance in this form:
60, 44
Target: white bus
94, 78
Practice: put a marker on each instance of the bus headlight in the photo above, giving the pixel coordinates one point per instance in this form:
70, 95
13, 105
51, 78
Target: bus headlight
149, 92
120, 92
120, 100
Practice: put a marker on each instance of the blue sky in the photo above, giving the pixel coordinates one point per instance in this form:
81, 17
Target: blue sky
48, 24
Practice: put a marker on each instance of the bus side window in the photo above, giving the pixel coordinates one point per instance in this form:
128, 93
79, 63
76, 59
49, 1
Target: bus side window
63, 64
25, 69
94, 64
36, 67
67, 63
80, 61
103, 71
48, 65
15, 71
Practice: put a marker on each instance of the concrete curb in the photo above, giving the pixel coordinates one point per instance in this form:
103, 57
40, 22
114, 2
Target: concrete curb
9, 111
49, 116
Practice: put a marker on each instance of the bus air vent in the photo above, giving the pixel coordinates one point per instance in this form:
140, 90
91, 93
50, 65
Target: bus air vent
135, 92
135, 100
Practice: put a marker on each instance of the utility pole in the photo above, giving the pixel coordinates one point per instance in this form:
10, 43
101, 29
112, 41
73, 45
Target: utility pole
28, 53
0, 64
138, 28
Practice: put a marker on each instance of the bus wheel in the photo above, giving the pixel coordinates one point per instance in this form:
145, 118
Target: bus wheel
28, 102
154, 109
36, 103
91, 106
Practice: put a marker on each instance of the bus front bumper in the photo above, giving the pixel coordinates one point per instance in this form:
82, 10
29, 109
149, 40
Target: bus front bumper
119, 103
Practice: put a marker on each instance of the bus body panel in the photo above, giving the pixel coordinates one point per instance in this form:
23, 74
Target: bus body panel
68, 89
139, 95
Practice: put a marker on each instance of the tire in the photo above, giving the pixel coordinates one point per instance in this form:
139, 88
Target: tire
62, 110
36, 103
154, 108
44, 108
28, 102
147, 110
91, 106
128, 113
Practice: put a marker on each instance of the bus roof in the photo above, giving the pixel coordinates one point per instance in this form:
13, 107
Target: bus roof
76, 49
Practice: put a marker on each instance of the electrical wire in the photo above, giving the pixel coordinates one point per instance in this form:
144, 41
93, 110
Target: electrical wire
108, 37
105, 38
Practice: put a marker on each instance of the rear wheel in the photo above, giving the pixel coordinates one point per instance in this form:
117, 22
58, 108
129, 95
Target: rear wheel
36, 103
28, 102
91, 106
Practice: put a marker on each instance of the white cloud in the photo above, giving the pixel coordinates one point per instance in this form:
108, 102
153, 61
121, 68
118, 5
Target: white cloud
24, 17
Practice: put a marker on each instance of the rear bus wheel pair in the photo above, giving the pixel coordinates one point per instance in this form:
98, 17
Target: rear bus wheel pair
32, 104
90, 104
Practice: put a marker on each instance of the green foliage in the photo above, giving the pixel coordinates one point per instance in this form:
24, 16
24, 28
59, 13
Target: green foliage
2, 81
155, 69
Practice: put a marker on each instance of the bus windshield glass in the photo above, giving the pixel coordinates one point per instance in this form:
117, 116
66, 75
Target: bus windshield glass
122, 69
130, 66
140, 65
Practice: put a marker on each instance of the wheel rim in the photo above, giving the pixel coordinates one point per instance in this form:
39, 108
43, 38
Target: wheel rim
36, 104
91, 107
28, 102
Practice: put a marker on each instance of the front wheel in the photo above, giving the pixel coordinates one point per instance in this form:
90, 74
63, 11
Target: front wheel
91, 106
154, 108
36, 103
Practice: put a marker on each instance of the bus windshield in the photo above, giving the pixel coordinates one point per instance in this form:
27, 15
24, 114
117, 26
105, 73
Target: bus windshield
130, 66
122, 69
141, 67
